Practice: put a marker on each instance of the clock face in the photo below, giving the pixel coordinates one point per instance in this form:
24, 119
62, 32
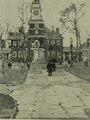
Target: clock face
36, 12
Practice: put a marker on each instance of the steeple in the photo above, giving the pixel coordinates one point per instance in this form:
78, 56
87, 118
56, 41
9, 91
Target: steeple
36, 1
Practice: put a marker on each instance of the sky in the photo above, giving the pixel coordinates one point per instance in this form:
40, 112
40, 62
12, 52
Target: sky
50, 14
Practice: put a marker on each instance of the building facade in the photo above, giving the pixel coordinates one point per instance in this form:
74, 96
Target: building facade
18, 50
36, 34
85, 49
54, 49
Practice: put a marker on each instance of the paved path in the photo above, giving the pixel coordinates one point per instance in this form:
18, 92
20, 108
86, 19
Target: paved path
62, 95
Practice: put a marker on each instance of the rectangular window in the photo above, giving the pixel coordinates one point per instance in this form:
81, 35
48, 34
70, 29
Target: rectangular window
14, 43
32, 25
19, 43
41, 25
14, 54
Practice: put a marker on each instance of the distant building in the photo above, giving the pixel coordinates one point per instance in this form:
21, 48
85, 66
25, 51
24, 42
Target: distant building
85, 49
67, 53
54, 46
36, 35
14, 42
41, 46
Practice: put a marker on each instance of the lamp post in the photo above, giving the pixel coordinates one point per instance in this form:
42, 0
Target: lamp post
71, 46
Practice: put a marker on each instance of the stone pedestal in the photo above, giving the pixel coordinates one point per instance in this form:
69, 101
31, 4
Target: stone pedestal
41, 54
63, 57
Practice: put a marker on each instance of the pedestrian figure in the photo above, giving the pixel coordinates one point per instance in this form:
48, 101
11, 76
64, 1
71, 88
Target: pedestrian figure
22, 67
9, 64
28, 65
53, 66
60, 61
86, 63
3, 67
49, 68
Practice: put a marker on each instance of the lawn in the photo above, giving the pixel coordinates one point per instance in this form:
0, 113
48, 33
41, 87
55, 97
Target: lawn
83, 72
12, 76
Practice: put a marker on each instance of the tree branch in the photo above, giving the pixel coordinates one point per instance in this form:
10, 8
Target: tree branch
20, 18
81, 16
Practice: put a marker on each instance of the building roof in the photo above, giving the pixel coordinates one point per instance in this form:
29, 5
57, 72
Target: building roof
14, 36
52, 34
84, 46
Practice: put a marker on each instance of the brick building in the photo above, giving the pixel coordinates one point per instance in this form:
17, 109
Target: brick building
14, 42
54, 43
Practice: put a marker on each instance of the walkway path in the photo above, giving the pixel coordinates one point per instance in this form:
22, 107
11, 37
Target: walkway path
62, 95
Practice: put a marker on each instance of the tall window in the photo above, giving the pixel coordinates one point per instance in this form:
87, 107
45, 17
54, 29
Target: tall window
19, 54
14, 54
53, 54
36, 25
53, 42
48, 53
14, 43
58, 54
58, 42
47, 42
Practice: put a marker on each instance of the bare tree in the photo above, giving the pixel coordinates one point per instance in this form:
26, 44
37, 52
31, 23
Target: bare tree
23, 13
70, 18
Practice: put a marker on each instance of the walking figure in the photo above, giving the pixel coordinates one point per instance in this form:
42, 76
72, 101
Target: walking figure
3, 67
9, 64
49, 68
28, 65
22, 67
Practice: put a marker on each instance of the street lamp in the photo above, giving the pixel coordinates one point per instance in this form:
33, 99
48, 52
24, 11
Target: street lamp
71, 46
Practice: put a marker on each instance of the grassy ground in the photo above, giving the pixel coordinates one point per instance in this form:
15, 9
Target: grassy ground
12, 76
79, 69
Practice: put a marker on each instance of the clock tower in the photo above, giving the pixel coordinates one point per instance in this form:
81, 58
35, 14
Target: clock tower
36, 34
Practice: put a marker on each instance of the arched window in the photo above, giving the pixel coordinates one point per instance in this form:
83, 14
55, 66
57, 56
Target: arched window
47, 42
53, 42
58, 42
37, 44
53, 54
19, 54
58, 54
